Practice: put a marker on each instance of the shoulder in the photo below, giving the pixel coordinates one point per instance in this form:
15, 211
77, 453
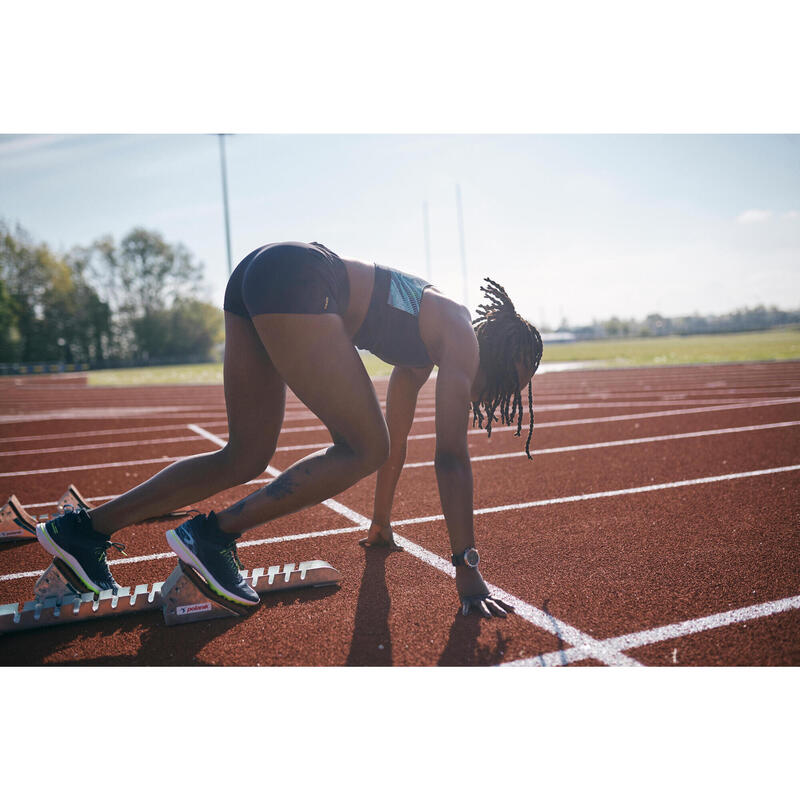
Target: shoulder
446, 327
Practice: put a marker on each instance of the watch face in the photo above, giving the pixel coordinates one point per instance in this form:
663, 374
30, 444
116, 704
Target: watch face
471, 557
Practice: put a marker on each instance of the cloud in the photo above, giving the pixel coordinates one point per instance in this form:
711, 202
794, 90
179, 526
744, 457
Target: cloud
13, 144
791, 215
753, 215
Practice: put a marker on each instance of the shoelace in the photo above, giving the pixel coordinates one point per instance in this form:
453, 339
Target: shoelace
101, 550
229, 553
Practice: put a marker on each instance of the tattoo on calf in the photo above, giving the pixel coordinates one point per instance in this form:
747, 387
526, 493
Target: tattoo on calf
281, 487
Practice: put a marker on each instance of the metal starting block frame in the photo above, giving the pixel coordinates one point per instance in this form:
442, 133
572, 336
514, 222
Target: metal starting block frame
183, 597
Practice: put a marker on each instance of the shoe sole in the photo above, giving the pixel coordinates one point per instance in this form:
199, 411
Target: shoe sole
45, 541
184, 554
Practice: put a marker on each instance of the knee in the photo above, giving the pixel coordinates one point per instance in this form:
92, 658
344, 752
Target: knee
371, 451
242, 465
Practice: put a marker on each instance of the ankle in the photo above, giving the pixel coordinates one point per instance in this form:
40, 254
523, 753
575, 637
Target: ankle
219, 526
94, 529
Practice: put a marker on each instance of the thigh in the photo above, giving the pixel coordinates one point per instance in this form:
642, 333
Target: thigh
316, 358
255, 393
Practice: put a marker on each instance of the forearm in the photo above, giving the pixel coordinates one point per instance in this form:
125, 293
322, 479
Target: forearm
454, 476
388, 475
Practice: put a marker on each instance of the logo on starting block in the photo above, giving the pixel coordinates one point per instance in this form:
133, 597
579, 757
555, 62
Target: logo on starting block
195, 608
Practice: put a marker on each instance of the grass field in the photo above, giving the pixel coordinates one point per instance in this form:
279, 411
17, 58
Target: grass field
773, 345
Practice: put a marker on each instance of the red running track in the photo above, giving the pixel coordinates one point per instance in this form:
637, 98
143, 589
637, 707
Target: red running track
657, 525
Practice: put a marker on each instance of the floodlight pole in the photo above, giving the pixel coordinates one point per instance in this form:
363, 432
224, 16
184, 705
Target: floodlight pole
427, 240
225, 198
463, 248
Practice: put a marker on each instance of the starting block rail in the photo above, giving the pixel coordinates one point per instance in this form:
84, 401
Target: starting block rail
183, 597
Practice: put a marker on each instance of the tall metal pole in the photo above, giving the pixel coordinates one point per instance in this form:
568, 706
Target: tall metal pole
225, 198
463, 248
427, 240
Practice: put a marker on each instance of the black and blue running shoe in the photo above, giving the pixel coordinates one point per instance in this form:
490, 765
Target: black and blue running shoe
72, 539
203, 546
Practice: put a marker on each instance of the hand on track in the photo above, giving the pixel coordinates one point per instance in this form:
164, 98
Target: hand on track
487, 605
380, 536
474, 593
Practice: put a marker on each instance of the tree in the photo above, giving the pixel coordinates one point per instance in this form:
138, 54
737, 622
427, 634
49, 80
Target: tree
50, 300
141, 277
191, 328
9, 333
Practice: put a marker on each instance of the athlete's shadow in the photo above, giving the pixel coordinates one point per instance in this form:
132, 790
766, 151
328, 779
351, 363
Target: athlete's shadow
462, 647
372, 642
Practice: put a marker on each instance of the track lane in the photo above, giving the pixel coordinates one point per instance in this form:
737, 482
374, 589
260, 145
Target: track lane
755, 375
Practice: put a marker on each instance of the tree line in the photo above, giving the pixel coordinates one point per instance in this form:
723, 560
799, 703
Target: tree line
132, 301
743, 319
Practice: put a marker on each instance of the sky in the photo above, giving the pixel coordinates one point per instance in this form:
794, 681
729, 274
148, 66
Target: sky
576, 227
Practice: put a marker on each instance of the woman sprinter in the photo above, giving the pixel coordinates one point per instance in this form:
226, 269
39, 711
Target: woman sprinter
294, 315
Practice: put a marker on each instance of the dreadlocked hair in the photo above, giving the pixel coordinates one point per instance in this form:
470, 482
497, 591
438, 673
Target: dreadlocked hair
505, 340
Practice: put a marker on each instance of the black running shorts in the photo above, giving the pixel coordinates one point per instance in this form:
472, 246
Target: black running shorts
288, 278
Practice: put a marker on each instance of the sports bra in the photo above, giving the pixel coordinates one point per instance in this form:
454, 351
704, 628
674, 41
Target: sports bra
391, 327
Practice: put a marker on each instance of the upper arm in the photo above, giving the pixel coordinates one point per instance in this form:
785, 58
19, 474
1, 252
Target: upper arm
457, 369
401, 400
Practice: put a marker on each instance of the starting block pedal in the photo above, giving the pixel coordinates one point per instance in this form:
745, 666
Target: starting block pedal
188, 598
16, 524
72, 497
183, 597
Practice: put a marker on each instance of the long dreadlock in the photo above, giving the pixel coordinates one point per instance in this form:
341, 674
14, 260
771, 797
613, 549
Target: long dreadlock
505, 339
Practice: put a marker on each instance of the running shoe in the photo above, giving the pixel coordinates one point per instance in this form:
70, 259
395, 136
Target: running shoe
72, 539
203, 546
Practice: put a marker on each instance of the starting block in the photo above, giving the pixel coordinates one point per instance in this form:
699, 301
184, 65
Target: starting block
72, 497
16, 524
183, 597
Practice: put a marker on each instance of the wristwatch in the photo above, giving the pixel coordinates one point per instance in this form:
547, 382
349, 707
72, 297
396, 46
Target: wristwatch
469, 558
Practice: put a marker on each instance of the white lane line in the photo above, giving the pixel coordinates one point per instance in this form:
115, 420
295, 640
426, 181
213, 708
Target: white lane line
471, 432
107, 432
665, 632
575, 447
101, 413
364, 522
535, 616
588, 645
317, 445
415, 464
110, 465
655, 487
622, 442
626, 417
663, 394
107, 445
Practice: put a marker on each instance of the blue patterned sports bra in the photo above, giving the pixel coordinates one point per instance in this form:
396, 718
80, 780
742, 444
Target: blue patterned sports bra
391, 327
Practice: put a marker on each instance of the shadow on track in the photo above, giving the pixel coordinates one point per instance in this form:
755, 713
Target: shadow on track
159, 645
371, 645
462, 647
557, 632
